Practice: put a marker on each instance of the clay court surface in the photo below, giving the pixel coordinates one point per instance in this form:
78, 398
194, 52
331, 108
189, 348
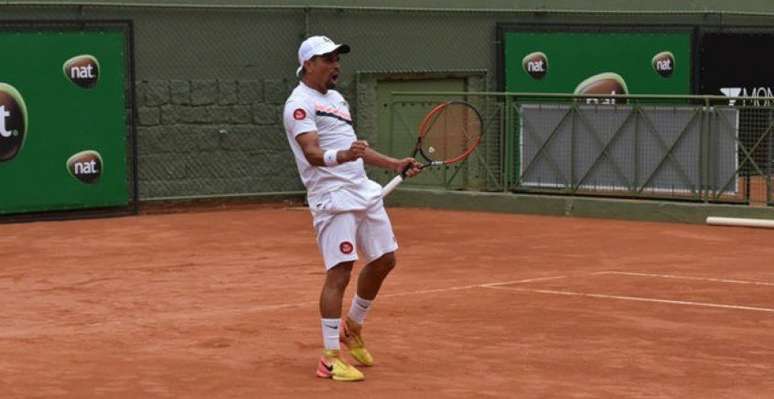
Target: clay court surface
223, 304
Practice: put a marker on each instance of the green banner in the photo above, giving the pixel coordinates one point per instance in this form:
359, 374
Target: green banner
598, 62
63, 122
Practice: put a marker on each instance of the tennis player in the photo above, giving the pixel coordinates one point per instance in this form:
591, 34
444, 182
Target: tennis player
349, 216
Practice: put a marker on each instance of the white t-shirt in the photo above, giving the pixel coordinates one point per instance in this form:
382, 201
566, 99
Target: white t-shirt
308, 110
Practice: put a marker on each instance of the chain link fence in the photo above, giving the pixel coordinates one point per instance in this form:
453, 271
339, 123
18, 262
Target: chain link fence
210, 102
691, 148
211, 81
482, 171
756, 124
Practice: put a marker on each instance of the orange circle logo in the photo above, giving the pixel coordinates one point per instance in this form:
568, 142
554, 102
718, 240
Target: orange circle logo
346, 247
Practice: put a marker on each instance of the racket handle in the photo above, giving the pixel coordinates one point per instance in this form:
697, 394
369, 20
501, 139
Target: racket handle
387, 189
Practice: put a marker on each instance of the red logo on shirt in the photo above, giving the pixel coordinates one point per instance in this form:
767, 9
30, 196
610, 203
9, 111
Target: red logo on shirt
299, 114
346, 247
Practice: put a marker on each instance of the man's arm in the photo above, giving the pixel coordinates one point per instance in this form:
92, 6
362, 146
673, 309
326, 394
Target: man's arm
375, 158
310, 145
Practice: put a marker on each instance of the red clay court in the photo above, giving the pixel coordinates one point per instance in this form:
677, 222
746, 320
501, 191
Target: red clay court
223, 304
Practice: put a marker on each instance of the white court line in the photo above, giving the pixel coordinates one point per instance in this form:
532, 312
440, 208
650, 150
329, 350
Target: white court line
636, 299
500, 285
529, 280
431, 291
717, 280
279, 306
467, 287
396, 294
210, 314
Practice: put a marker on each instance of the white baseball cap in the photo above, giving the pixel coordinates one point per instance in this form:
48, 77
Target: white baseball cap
317, 45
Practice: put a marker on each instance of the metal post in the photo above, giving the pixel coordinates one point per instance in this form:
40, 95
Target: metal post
573, 188
307, 21
636, 157
508, 137
704, 155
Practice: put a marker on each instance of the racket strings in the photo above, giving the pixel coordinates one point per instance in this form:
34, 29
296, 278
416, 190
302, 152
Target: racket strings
451, 132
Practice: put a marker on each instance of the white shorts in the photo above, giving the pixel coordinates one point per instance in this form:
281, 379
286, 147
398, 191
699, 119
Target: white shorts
346, 225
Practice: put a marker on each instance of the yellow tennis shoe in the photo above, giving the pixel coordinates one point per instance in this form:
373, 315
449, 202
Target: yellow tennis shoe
332, 366
350, 336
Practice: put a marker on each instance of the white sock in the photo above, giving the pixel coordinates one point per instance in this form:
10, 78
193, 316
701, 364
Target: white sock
359, 309
330, 332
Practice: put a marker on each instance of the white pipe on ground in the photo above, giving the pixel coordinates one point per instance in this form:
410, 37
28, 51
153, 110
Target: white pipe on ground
740, 222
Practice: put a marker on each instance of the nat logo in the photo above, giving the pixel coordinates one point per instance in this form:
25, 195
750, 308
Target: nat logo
83, 70
663, 63
85, 166
535, 64
13, 122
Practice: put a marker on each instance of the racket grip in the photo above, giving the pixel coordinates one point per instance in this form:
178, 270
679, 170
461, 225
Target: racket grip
387, 189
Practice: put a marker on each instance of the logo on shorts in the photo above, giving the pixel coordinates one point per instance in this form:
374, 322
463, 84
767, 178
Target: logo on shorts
299, 114
346, 247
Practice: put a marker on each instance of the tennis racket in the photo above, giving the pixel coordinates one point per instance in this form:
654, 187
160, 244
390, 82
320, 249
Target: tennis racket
448, 134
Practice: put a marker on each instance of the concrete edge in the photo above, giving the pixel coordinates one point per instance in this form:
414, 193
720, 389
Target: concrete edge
610, 208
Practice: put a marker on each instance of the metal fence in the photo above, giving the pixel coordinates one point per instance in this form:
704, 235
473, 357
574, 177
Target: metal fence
211, 80
691, 148
212, 84
482, 171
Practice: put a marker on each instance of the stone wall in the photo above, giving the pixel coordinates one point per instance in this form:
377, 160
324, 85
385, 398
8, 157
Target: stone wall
211, 137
